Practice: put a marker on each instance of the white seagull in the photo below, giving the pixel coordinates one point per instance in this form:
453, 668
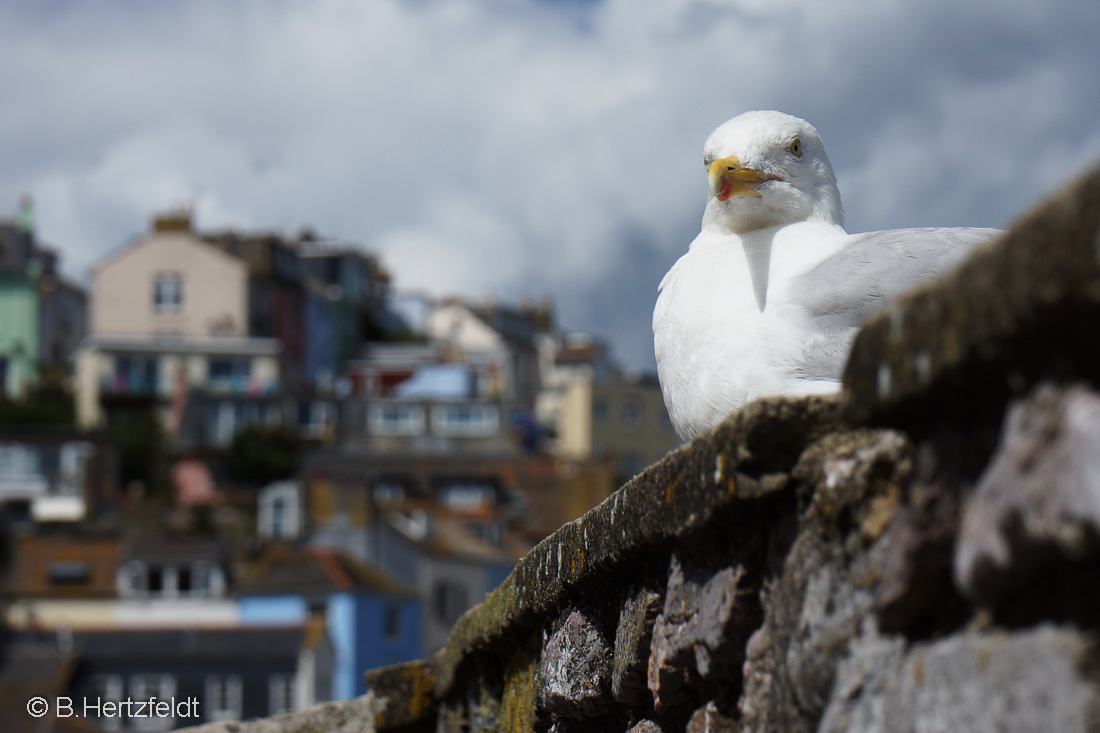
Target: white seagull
769, 296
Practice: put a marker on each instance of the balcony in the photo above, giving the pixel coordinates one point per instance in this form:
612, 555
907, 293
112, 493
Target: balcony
129, 385
240, 385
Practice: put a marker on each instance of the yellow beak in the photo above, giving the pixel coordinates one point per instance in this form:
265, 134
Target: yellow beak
726, 179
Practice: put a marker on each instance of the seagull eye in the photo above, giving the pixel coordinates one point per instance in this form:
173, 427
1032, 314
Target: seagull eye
795, 147
707, 160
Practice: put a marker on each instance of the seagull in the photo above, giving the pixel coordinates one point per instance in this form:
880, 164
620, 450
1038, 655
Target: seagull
770, 294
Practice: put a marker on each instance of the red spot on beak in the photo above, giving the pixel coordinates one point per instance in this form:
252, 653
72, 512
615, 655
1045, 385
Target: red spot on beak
725, 190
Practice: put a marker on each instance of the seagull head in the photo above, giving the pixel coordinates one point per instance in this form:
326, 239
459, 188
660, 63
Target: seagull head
767, 169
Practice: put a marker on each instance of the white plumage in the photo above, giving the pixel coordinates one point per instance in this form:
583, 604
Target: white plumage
769, 296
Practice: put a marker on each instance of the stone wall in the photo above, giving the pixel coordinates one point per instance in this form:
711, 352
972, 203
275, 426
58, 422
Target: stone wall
922, 553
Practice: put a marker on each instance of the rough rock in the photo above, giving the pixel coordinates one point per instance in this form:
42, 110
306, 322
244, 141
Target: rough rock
709, 719
409, 697
646, 726
698, 636
632, 641
1036, 680
917, 593
576, 670
1036, 509
852, 483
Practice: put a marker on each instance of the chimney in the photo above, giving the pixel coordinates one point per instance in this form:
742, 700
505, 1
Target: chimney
178, 221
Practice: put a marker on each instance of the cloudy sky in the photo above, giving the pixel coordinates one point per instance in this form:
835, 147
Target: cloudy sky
527, 148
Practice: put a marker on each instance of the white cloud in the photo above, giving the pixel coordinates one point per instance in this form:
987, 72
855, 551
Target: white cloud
521, 146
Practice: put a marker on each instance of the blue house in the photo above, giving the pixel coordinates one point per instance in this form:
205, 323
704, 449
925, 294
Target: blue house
373, 619
320, 347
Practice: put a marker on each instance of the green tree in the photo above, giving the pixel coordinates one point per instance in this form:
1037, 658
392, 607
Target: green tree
139, 438
260, 455
48, 403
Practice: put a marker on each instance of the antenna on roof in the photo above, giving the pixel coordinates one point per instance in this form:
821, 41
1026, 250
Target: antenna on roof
25, 221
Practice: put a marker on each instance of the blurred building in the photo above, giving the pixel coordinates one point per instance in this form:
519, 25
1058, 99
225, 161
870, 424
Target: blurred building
82, 580
356, 287
373, 619
218, 331
595, 411
469, 386
62, 581
169, 331
228, 673
53, 475
42, 313
274, 296
451, 539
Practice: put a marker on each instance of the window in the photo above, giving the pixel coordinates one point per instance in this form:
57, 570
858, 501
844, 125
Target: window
280, 693
314, 418
388, 491
131, 579
184, 581
18, 461
449, 600
279, 527
278, 513
468, 496
223, 698
108, 688
135, 374
396, 419
632, 413
229, 373
465, 420
201, 573
393, 621
74, 460
154, 580
223, 423
69, 573
168, 293
145, 686
228, 367
599, 409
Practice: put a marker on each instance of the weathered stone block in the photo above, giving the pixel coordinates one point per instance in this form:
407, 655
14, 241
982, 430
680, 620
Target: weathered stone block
576, 670
917, 594
410, 694
1036, 509
1035, 680
699, 635
632, 641
709, 719
851, 483
646, 726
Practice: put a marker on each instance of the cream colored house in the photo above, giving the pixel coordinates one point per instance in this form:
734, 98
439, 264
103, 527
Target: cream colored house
597, 412
169, 324
620, 418
170, 283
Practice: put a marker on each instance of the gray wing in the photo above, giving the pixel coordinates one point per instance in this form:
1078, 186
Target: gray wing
869, 273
